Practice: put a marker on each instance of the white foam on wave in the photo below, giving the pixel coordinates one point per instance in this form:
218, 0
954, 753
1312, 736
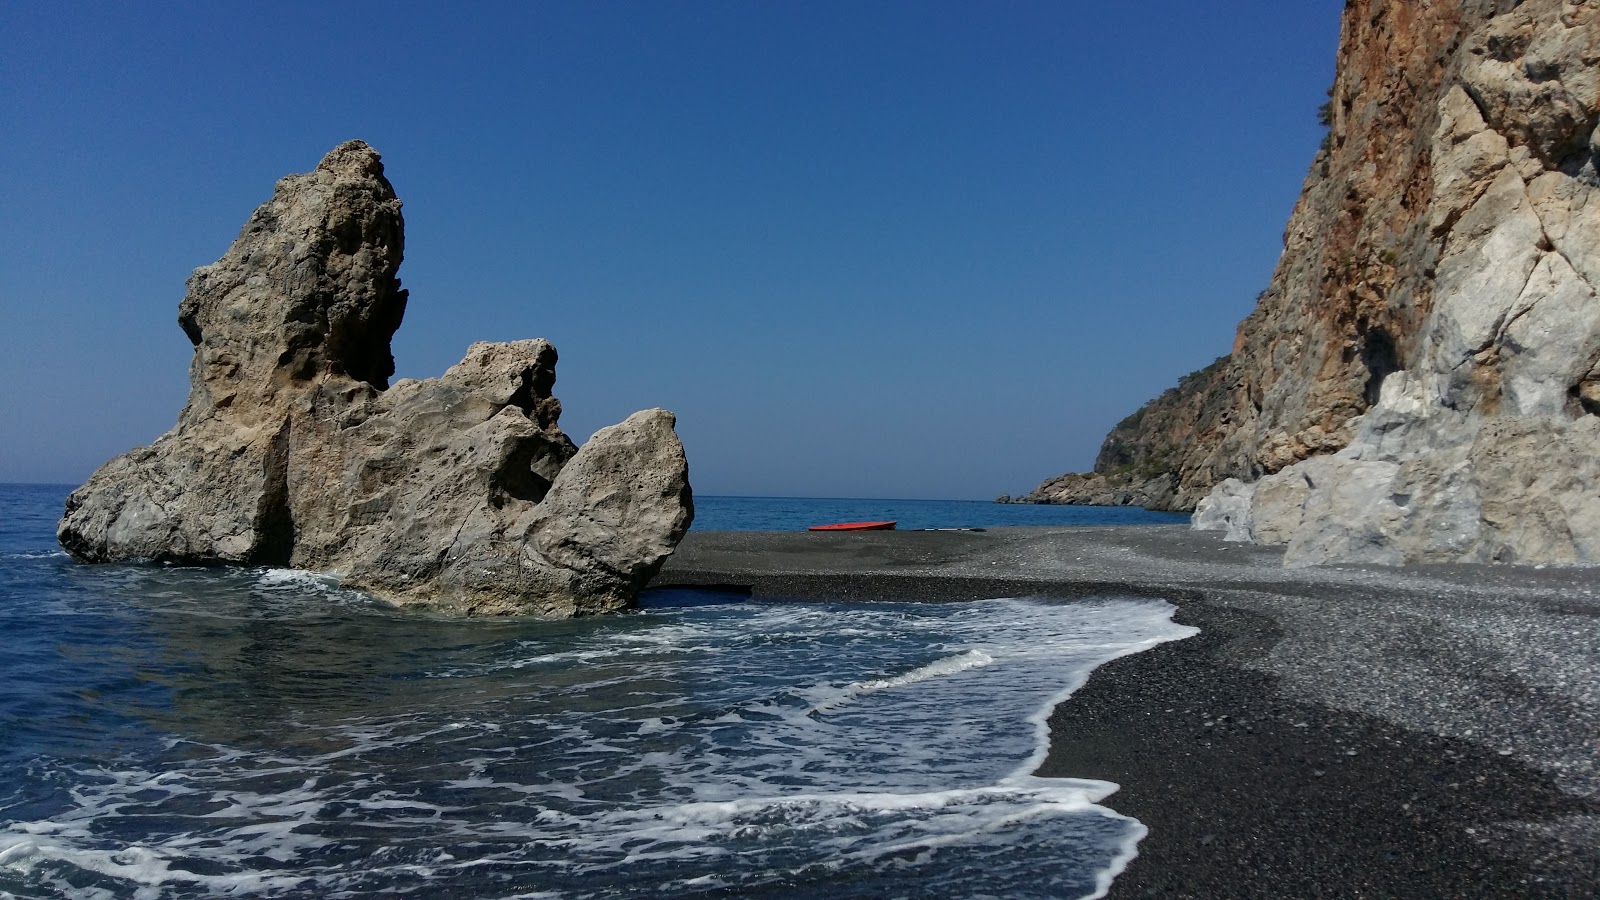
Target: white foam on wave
537, 660
34, 554
295, 579
299, 583
230, 810
772, 625
269, 829
657, 753
837, 821
950, 665
1121, 632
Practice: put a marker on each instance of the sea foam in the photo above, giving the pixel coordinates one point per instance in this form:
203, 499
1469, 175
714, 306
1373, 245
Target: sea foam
841, 749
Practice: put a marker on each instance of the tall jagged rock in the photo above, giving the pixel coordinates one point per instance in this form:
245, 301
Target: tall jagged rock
459, 493
1420, 380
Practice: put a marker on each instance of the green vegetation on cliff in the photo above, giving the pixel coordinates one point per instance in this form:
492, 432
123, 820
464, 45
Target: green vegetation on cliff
1142, 459
1153, 439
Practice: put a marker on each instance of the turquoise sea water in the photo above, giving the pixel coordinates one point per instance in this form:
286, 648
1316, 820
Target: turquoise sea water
263, 732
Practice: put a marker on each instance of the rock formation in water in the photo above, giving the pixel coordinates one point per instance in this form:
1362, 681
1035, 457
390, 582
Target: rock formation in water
1421, 380
458, 493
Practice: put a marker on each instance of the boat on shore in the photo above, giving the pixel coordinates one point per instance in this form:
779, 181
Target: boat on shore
854, 526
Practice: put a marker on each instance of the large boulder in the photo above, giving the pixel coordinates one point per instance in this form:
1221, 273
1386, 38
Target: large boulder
458, 493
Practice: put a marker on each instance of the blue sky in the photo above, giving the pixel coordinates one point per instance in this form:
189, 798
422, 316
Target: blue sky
862, 249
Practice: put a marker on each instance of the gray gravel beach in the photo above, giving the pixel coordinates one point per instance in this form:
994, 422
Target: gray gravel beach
1332, 732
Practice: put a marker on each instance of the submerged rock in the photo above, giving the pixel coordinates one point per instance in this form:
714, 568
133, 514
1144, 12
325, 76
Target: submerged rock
458, 493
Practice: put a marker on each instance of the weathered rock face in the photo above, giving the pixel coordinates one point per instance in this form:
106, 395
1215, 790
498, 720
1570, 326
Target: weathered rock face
459, 493
1484, 448
1420, 380
1348, 288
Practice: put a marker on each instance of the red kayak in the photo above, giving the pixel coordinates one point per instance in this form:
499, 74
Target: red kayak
854, 526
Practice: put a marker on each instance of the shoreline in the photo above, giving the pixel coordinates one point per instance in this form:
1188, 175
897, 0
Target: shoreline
1339, 731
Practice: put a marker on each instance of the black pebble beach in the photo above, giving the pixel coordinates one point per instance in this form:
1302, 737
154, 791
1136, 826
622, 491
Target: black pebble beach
1330, 732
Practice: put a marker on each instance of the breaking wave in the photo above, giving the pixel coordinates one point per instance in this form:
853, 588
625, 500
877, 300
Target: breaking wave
268, 733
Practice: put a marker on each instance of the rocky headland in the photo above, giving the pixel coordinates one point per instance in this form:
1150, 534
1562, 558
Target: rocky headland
1420, 382
1140, 462
459, 493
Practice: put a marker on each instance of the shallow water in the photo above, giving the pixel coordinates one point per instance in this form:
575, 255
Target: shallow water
176, 733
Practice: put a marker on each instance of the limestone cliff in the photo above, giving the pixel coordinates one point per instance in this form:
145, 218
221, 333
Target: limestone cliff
458, 493
1419, 381
1331, 324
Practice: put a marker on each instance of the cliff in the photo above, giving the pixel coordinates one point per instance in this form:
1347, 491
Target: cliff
1141, 462
1347, 288
459, 493
1419, 379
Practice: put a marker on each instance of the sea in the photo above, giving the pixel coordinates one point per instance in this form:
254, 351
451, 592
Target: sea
170, 732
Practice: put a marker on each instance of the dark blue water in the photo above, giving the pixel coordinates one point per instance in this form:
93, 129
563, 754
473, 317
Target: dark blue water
264, 732
796, 513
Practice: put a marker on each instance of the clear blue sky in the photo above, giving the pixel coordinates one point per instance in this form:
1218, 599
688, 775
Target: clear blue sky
863, 249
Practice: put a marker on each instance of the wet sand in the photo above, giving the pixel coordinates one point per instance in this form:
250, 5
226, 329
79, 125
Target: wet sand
1331, 732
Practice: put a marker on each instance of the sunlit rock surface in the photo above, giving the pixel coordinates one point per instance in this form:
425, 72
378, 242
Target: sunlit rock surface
459, 493
1419, 382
